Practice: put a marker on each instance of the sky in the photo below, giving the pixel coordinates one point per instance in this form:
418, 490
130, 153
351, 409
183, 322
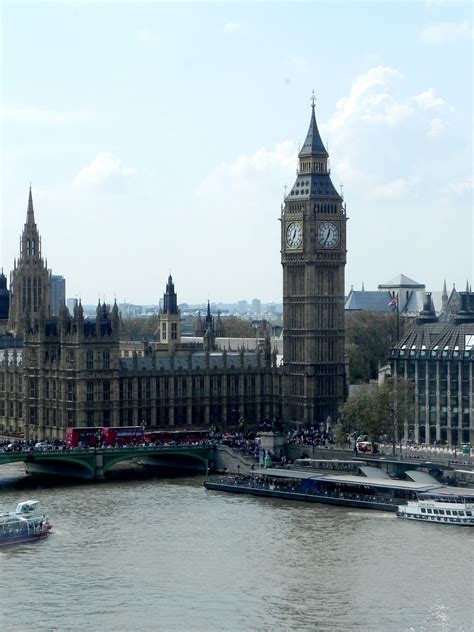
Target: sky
158, 137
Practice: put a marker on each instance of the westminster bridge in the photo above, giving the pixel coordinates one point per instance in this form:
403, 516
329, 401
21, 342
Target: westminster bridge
94, 463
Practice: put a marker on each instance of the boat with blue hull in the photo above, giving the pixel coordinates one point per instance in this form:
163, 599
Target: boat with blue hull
377, 491
25, 524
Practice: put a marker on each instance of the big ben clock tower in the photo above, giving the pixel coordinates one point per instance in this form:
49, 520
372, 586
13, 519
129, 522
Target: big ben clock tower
313, 256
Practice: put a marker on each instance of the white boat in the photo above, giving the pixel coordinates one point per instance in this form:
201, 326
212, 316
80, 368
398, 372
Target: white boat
25, 524
447, 505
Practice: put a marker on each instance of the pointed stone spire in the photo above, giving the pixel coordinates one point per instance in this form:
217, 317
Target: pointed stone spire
219, 326
444, 296
313, 143
363, 288
209, 321
199, 326
170, 298
30, 214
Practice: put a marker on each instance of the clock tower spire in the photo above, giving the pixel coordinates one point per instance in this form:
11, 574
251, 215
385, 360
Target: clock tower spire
313, 257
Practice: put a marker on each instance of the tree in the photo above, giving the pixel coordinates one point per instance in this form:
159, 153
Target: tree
380, 410
369, 336
235, 327
396, 401
139, 328
340, 435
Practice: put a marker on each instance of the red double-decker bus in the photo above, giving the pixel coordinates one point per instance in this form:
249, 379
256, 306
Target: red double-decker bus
122, 435
173, 437
87, 437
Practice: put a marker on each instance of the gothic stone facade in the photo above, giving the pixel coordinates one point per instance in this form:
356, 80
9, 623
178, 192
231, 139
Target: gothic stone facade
69, 372
313, 256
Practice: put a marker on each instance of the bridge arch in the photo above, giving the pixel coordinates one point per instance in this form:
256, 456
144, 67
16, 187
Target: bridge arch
191, 456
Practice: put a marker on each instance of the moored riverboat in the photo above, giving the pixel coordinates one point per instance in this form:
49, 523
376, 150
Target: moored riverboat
448, 505
367, 492
25, 524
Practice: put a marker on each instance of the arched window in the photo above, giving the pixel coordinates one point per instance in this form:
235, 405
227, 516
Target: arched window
90, 360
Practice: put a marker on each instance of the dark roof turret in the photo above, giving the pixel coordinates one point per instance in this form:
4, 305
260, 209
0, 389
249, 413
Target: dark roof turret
313, 143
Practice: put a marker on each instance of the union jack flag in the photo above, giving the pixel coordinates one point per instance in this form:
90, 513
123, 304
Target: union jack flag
393, 299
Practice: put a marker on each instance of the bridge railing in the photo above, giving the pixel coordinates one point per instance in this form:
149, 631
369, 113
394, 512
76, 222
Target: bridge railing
108, 449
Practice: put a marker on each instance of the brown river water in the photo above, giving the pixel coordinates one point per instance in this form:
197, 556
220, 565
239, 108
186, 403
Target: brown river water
165, 554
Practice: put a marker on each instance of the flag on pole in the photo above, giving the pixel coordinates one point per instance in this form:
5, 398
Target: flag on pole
393, 299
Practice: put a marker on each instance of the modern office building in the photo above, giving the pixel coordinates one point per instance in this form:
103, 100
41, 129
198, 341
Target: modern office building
437, 355
57, 289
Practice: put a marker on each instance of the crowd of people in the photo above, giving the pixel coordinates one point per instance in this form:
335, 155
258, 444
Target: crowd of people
311, 436
21, 445
249, 444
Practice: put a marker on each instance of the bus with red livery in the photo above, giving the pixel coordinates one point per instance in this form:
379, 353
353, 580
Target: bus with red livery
123, 435
86, 437
176, 437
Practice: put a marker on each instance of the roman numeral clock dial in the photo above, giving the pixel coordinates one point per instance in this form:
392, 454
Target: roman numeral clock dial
328, 235
294, 236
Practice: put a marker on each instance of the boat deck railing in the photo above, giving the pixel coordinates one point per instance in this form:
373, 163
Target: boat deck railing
293, 489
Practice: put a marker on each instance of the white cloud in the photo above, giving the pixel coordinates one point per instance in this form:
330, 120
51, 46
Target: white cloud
446, 32
233, 27
427, 100
373, 99
370, 100
104, 170
436, 127
395, 188
147, 38
461, 186
38, 115
281, 159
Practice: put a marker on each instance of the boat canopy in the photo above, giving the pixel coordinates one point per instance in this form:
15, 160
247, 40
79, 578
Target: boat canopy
421, 477
374, 472
349, 480
26, 506
451, 492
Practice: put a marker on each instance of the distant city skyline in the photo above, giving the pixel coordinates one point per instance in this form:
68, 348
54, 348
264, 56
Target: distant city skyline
160, 137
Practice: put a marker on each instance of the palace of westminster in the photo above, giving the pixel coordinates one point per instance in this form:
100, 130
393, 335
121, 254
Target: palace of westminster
62, 369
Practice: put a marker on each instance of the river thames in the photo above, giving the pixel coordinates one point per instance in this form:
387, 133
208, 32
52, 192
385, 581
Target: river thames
165, 554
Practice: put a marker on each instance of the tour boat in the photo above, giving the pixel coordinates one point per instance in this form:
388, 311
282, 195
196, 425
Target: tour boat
375, 490
448, 505
25, 524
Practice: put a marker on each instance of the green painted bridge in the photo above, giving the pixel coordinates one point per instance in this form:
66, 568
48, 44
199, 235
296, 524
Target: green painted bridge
93, 464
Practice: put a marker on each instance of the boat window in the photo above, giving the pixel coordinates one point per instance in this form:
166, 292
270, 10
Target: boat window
468, 513
448, 512
455, 513
423, 510
441, 511
435, 511
461, 513
429, 511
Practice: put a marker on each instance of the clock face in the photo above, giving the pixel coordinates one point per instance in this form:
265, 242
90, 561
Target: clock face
328, 235
294, 235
